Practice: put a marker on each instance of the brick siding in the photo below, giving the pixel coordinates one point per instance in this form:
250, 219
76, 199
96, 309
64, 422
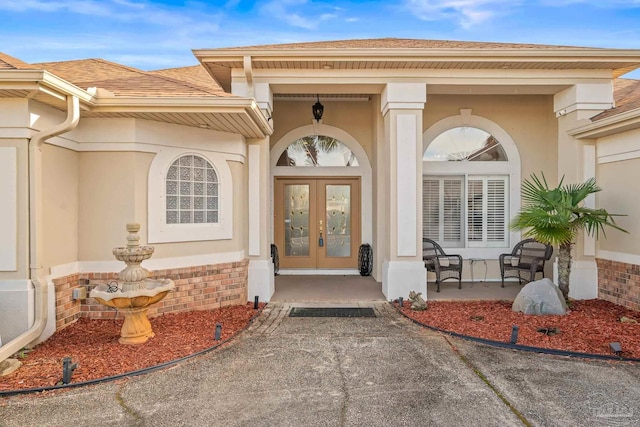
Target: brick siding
67, 310
202, 287
619, 283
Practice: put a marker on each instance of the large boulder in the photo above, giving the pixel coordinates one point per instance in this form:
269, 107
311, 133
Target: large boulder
540, 297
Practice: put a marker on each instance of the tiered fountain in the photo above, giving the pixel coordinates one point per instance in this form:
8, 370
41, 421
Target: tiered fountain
135, 292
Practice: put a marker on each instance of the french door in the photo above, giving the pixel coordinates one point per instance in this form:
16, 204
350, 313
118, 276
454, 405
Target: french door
317, 222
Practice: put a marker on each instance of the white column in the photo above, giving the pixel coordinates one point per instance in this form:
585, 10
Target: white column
576, 162
260, 281
403, 268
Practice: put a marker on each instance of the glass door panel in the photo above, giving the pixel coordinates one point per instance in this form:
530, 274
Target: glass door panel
338, 214
296, 220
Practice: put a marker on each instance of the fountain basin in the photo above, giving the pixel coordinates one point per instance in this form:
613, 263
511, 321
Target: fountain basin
134, 305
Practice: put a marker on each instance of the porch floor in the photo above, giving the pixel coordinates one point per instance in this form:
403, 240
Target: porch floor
347, 289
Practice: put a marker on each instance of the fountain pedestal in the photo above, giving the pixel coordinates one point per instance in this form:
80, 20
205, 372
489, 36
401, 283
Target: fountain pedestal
135, 291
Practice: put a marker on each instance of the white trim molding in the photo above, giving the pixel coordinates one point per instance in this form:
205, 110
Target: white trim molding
619, 257
8, 209
406, 184
254, 200
150, 264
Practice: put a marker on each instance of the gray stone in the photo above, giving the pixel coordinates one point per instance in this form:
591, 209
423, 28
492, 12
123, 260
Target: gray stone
540, 297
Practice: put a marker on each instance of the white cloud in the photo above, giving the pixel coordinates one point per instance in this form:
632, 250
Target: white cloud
300, 13
117, 10
596, 3
467, 13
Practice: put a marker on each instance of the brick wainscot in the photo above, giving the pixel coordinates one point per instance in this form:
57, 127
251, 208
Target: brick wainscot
619, 283
203, 287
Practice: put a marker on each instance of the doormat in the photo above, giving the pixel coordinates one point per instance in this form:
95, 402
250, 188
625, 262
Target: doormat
331, 312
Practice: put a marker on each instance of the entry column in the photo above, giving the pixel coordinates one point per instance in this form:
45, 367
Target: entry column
260, 280
574, 107
403, 269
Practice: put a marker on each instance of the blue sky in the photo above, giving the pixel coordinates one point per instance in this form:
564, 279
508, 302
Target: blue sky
160, 34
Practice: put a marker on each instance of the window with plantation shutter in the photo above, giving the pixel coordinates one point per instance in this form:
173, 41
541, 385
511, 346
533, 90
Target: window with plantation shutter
485, 210
442, 218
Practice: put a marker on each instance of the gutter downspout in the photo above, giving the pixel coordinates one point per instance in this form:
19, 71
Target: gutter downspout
35, 228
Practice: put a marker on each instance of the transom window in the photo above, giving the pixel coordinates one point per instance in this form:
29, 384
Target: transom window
317, 150
465, 143
191, 191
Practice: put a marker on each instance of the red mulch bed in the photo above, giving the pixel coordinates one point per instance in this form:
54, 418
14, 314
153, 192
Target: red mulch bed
588, 328
93, 344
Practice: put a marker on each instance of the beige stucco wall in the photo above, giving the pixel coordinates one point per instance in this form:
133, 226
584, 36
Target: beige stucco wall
113, 192
107, 189
618, 195
528, 119
60, 205
354, 117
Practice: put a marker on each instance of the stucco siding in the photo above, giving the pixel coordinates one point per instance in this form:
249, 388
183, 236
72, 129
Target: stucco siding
617, 181
60, 205
353, 117
107, 201
528, 119
113, 192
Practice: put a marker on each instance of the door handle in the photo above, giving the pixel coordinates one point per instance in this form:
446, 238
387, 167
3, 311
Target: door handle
321, 240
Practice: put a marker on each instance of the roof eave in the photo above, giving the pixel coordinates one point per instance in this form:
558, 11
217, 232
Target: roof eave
245, 108
609, 125
44, 82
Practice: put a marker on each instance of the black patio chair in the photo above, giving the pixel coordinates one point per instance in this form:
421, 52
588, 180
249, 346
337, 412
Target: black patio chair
525, 260
445, 266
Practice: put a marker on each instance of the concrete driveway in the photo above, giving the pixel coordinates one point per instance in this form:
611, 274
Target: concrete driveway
382, 371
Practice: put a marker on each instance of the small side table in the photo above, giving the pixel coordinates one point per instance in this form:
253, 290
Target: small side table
473, 261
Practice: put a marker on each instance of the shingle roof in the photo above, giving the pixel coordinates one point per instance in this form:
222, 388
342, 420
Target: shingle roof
195, 75
395, 43
626, 93
8, 62
125, 81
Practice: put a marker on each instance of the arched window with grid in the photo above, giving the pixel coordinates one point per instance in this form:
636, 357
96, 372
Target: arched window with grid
192, 191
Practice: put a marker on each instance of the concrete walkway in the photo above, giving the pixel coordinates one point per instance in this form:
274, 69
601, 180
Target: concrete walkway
382, 371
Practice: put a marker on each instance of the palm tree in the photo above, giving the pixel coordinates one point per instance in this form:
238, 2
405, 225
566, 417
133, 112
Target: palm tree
555, 216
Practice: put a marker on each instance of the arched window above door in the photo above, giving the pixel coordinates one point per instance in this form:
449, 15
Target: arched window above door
465, 143
317, 151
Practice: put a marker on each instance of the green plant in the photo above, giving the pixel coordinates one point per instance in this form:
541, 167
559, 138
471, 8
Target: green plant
556, 215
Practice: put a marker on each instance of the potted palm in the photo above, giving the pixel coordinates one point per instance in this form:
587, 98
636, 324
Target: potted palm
556, 215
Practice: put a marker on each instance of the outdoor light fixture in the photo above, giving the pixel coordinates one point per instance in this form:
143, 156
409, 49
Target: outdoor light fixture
616, 347
317, 109
514, 334
67, 370
218, 333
